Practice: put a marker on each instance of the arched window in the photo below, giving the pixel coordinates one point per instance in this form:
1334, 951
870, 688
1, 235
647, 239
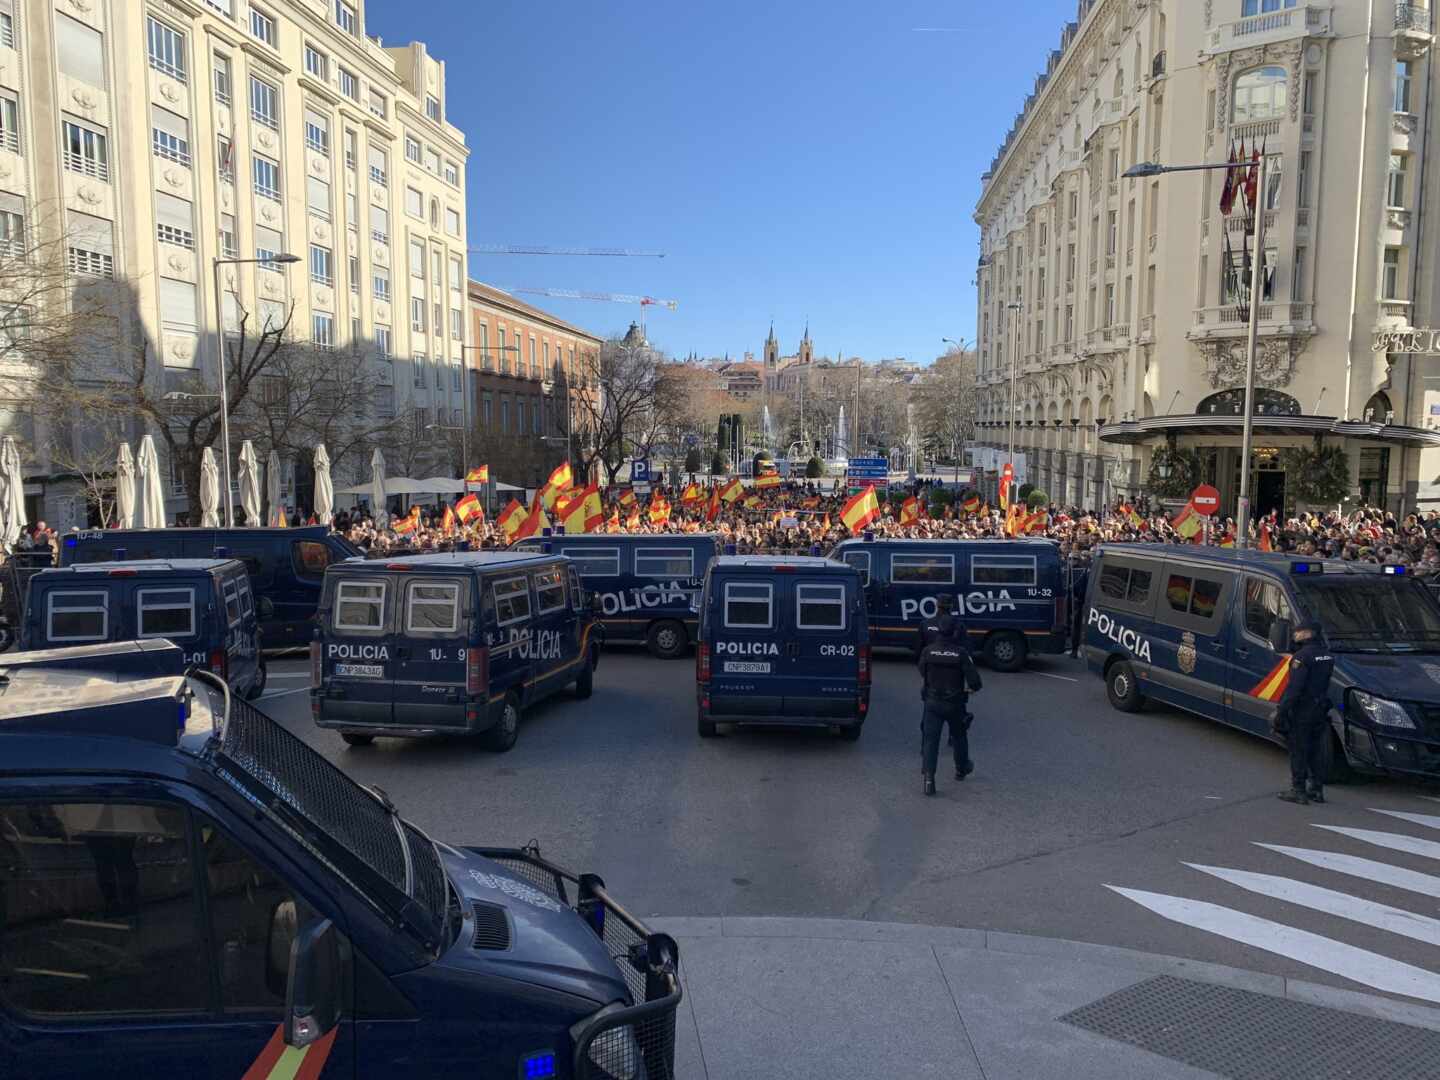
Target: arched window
1232, 403
1378, 409
1261, 94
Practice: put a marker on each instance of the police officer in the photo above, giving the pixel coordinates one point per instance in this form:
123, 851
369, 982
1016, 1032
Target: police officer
930, 628
950, 677
1303, 715
1079, 579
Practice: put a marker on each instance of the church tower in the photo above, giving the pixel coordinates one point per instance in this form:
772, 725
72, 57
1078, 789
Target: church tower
807, 349
772, 352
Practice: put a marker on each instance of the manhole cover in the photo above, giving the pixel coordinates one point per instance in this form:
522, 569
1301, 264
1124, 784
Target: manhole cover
1241, 1034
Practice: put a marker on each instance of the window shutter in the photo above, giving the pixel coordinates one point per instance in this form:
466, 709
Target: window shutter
267, 239
174, 212
414, 203
92, 233
170, 123
377, 158
11, 204
318, 193
80, 51
272, 315
177, 305
417, 259
380, 219
318, 119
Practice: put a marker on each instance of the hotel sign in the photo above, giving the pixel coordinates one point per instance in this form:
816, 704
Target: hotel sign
1426, 342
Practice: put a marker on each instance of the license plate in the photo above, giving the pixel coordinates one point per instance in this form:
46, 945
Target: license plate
747, 667
361, 671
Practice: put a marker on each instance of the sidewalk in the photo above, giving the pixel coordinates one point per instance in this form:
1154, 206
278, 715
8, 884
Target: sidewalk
789, 998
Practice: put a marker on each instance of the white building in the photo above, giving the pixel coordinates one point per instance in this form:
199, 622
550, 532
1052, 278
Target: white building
172, 132
1110, 295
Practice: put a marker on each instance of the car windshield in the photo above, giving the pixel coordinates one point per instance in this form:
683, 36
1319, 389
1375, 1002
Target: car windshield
1389, 614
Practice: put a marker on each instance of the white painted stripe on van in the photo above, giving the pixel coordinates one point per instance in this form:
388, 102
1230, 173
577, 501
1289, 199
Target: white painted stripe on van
1326, 954
1410, 845
1430, 821
1357, 909
1368, 869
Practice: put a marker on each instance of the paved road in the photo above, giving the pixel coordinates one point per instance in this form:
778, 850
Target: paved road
1155, 831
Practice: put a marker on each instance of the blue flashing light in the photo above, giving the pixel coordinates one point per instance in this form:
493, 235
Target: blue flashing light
119, 554
1302, 568
730, 549
538, 1066
70, 541
222, 552
1394, 570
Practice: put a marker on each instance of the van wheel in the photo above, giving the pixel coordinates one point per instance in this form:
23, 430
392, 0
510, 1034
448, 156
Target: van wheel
585, 683
667, 640
1005, 651
262, 676
351, 739
502, 736
705, 727
1123, 689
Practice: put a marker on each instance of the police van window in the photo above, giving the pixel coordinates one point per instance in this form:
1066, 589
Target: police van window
309, 557
820, 607
1264, 603
747, 605
922, 569
664, 562
861, 561
82, 883
576, 600
434, 607
360, 605
1193, 596
232, 601
1002, 569
78, 616
1126, 584
512, 600
256, 564
247, 600
594, 562
549, 590
166, 612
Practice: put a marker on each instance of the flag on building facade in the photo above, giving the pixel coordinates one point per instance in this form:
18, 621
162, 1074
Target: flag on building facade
1227, 190
860, 510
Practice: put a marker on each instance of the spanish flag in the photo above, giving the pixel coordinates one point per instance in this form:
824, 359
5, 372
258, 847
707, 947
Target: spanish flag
971, 504
583, 513
1265, 544
1015, 519
1038, 522
712, 510
767, 480
1007, 478
469, 509
280, 519
510, 519
534, 521
910, 511
1130, 515
613, 524
860, 510
478, 475
751, 501
1276, 679
560, 480
447, 522
659, 510
632, 519
732, 489
627, 497
1187, 523
409, 523
691, 493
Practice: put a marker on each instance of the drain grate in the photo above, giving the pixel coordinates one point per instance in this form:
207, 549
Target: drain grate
1250, 1036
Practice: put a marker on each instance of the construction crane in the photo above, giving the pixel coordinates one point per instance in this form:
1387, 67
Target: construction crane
613, 298
536, 249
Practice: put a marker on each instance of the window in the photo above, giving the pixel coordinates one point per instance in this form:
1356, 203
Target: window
167, 48
861, 561
224, 88
174, 220
349, 84
225, 155
1297, 276
177, 305
379, 224
350, 152
352, 210
455, 384
86, 150
1307, 92
77, 616
504, 416
417, 314
512, 600
452, 221
345, 17
317, 197
1264, 603
1390, 281
228, 245
412, 149
452, 173
264, 103
262, 26
432, 608
92, 246
1112, 233
432, 107
1273, 176
594, 562
1404, 73
1261, 94
382, 339
1395, 191
166, 612
317, 132
748, 604
353, 273
1002, 569
379, 104
414, 203
76, 874
322, 265
317, 63
1302, 180
170, 136
550, 590
1257, 7
820, 607
268, 244
457, 323
1193, 596
379, 172
360, 605
1125, 584
432, 161
267, 177
380, 279
486, 410
80, 51
322, 330
1109, 305
922, 569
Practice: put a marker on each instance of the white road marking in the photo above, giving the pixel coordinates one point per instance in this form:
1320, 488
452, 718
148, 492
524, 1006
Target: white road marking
1369, 869
1428, 820
1411, 845
1347, 961
283, 693
1356, 909
1047, 675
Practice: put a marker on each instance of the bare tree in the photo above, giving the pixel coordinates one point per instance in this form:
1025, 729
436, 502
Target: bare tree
945, 404
619, 409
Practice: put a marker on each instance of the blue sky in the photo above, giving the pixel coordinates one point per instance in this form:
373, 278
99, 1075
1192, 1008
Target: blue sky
793, 158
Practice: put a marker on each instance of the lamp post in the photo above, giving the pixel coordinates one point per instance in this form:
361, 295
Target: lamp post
284, 258
1148, 169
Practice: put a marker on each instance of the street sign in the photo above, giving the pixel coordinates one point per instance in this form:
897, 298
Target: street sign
639, 471
867, 470
1205, 499
641, 488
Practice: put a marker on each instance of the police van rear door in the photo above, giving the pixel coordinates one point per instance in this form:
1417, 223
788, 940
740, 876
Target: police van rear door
820, 648
430, 650
358, 658
747, 670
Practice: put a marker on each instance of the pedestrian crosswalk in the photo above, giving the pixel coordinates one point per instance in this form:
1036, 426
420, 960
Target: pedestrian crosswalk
1345, 888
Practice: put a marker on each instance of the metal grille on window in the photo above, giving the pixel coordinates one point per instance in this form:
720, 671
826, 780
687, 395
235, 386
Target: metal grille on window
86, 150
170, 134
174, 221
167, 49
12, 224
317, 132
376, 158
91, 246
9, 124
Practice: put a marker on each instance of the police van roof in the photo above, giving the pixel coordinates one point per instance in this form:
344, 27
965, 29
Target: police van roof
772, 562
610, 538
1279, 561
446, 560
138, 566
909, 541
247, 531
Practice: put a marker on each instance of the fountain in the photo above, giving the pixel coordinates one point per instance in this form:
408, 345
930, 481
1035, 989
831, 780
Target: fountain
841, 441
767, 433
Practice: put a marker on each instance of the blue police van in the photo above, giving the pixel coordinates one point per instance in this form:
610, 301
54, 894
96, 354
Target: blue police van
1207, 630
644, 585
459, 643
287, 566
1012, 594
203, 605
187, 889
784, 640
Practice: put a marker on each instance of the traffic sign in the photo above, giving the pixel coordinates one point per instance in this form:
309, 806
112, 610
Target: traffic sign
1205, 499
640, 471
867, 470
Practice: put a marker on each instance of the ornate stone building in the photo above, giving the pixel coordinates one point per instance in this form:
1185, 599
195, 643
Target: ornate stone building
1122, 304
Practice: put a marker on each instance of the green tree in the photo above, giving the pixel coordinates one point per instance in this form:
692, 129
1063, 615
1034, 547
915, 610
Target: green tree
814, 469
718, 465
693, 461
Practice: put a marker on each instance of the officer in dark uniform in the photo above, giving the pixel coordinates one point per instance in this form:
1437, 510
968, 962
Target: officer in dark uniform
1303, 715
930, 629
1079, 579
950, 677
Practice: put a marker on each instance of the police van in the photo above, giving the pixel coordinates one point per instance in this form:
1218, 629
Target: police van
1207, 630
1013, 595
190, 890
287, 566
203, 605
784, 640
459, 643
644, 584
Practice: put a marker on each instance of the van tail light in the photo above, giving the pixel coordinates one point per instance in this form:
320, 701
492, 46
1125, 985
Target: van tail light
315, 664
864, 665
218, 663
477, 670
702, 662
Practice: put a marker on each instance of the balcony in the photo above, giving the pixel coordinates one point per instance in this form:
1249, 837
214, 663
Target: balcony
1268, 28
1237, 316
1255, 130
1412, 18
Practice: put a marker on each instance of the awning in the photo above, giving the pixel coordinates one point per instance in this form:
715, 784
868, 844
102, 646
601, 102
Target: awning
1135, 432
430, 485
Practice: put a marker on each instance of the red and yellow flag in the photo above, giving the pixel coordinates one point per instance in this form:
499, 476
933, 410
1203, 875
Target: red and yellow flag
659, 510
583, 513
1015, 518
510, 519
560, 480
712, 508
632, 519
767, 480
280, 518
1187, 523
409, 523
1130, 515
860, 510
447, 522
910, 511
971, 505
1007, 478
691, 493
1037, 522
469, 509
732, 489
613, 524
627, 497
1265, 544
533, 522
751, 501
478, 475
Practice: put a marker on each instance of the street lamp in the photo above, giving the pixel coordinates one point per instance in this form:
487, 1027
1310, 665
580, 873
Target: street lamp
283, 258
1148, 169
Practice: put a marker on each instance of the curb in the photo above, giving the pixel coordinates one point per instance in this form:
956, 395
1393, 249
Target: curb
1330, 997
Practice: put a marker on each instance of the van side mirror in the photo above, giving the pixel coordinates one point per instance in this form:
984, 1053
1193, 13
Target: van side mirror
312, 987
265, 607
1280, 635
